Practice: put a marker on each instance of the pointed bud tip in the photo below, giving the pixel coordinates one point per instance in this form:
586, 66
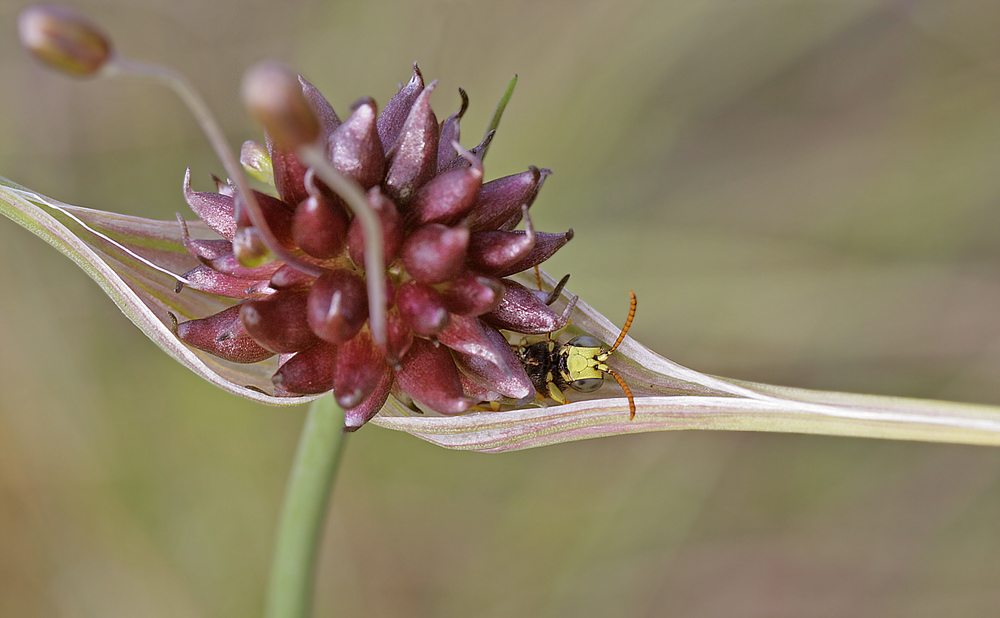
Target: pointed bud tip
273, 94
63, 39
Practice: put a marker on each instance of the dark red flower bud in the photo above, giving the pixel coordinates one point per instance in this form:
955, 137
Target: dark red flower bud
461, 160
216, 210
546, 245
428, 375
359, 415
496, 251
393, 116
413, 158
506, 378
207, 279
200, 249
328, 119
277, 214
522, 311
392, 230
360, 369
289, 278
422, 308
450, 133
435, 253
473, 390
355, 149
278, 322
223, 335
467, 335
472, 294
289, 172
399, 336
228, 265
500, 200
310, 371
447, 197
338, 306
319, 226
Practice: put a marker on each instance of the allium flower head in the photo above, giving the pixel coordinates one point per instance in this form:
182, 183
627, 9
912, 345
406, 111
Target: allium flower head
449, 246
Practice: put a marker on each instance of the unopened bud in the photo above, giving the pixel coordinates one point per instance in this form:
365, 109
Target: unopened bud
273, 94
63, 39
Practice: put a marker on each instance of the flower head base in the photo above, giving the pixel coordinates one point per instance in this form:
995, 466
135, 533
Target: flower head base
448, 244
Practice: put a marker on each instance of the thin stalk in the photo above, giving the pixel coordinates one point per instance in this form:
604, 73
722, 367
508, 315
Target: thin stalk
203, 115
300, 526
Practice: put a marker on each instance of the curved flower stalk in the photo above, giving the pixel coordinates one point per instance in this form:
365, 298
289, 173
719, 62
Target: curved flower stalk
281, 298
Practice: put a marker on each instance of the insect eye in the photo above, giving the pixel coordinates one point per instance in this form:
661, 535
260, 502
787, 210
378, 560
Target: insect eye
585, 341
587, 385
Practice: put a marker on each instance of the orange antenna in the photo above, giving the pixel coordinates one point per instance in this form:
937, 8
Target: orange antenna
621, 337
621, 383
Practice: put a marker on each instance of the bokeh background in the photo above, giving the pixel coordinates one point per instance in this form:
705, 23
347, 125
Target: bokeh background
800, 192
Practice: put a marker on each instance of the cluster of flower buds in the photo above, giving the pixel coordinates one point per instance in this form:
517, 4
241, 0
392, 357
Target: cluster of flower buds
448, 242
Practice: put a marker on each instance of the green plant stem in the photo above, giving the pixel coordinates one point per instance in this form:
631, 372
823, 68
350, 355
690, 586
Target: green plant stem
290, 589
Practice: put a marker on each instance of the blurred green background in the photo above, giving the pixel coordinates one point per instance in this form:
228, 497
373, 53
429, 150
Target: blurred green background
799, 192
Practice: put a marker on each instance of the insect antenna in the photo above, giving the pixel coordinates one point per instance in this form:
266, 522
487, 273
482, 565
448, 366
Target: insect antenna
628, 391
621, 337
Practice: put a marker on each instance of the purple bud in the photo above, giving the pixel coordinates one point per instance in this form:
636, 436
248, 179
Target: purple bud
461, 160
357, 416
473, 390
450, 133
277, 215
496, 251
546, 245
199, 249
421, 308
228, 265
429, 376
289, 172
338, 306
472, 294
435, 253
506, 377
500, 200
223, 335
393, 116
392, 230
467, 335
290, 278
278, 322
399, 336
309, 372
328, 119
216, 210
413, 158
360, 369
355, 149
447, 197
522, 311
319, 226
207, 279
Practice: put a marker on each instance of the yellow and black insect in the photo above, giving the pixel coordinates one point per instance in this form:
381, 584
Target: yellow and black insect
579, 364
